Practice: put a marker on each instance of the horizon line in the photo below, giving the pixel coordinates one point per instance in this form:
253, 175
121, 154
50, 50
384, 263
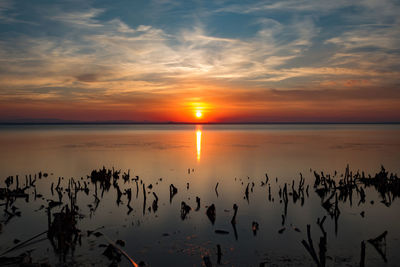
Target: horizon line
187, 123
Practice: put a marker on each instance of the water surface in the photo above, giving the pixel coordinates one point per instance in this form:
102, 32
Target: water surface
232, 156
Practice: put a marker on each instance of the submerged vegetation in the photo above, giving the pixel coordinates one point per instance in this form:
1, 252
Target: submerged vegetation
64, 213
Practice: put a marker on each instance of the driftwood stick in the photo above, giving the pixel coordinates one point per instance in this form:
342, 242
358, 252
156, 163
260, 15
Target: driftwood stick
121, 250
23, 243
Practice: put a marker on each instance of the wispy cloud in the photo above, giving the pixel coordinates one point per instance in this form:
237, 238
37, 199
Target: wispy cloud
84, 19
115, 52
285, 5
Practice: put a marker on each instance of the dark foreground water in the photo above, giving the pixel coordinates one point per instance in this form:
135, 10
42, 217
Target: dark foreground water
195, 159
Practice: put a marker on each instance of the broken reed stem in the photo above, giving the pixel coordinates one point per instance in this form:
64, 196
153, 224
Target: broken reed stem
309, 246
362, 261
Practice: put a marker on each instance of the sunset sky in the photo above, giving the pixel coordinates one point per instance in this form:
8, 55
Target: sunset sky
232, 61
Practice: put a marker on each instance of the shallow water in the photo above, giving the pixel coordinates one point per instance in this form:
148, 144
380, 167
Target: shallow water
225, 154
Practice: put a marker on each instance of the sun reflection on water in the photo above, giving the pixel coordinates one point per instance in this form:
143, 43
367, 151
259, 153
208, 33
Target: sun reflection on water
198, 143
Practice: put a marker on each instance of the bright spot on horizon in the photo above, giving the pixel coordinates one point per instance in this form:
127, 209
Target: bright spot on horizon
199, 114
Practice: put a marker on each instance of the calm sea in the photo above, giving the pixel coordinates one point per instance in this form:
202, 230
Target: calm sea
195, 158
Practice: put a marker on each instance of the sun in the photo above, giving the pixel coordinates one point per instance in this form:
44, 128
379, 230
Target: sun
199, 114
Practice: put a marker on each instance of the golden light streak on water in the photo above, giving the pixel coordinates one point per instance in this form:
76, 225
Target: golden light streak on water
198, 142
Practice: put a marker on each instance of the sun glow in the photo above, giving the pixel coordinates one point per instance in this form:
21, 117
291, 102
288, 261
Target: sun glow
199, 114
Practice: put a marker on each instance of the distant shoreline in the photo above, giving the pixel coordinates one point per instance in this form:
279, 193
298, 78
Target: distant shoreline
194, 123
